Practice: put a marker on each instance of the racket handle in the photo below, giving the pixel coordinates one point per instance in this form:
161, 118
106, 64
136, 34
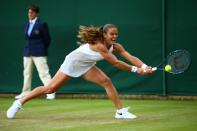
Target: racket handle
154, 68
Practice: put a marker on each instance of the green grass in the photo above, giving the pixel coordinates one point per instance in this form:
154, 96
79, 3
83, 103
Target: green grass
98, 114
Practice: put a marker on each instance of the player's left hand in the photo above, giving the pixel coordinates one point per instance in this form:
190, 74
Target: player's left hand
148, 70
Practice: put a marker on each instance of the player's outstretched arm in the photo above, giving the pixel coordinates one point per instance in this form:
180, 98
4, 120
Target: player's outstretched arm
112, 59
134, 60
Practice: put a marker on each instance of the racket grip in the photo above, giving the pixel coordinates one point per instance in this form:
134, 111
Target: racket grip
154, 68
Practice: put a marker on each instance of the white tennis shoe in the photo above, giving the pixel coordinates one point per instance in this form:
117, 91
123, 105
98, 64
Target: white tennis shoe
11, 112
124, 114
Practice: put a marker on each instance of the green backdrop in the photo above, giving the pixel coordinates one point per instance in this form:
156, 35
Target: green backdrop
148, 29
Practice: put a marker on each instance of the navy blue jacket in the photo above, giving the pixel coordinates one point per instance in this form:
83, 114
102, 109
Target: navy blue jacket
38, 42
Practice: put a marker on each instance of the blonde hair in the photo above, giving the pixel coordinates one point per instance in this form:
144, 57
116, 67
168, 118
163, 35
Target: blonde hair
89, 34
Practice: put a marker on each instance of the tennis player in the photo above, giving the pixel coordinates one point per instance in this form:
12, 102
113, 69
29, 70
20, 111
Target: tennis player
96, 43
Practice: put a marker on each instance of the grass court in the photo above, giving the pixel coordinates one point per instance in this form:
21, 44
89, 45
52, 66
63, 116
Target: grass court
98, 114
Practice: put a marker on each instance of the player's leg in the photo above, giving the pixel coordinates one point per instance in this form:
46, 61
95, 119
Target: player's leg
56, 82
97, 76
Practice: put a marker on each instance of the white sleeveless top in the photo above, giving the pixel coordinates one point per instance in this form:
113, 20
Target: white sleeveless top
79, 61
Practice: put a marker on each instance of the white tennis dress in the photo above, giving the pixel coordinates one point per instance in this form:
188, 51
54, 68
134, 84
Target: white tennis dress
79, 61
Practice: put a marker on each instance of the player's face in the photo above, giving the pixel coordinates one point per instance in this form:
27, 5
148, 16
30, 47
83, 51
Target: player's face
31, 14
111, 35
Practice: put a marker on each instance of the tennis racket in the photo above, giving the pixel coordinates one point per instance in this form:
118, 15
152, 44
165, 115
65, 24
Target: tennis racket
179, 60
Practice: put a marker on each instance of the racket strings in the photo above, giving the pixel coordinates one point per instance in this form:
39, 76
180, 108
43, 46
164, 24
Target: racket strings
179, 61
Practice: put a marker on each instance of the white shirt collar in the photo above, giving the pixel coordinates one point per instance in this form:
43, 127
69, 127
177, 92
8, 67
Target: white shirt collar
33, 21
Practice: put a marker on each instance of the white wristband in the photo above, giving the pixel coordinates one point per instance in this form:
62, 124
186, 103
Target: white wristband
133, 69
143, 66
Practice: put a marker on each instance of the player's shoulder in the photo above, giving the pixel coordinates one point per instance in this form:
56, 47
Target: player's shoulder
100, 47
117, 45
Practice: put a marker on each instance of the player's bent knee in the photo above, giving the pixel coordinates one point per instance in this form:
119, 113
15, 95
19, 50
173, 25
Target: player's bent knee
106, 82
